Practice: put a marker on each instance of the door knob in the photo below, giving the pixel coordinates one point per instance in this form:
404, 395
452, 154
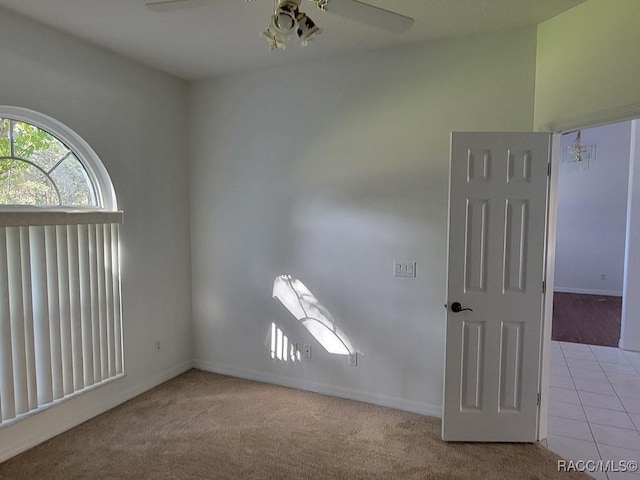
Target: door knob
456, 307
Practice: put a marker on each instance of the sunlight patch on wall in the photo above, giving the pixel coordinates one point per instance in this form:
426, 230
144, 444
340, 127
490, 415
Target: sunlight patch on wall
306, 308
282, 348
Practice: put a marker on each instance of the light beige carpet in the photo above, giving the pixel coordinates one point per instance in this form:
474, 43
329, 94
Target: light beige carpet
206, 426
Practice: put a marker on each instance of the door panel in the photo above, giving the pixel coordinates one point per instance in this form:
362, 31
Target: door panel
497, 220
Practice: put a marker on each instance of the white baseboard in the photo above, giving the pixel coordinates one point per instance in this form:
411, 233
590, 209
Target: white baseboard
93, 410
585, 291
633, 346
382, 400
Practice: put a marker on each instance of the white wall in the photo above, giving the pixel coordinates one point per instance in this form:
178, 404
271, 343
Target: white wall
587, 65
330, 171
630, 329
592, 214
135, 120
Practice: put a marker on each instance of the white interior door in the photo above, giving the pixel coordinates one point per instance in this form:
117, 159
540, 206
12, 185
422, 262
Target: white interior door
497, 220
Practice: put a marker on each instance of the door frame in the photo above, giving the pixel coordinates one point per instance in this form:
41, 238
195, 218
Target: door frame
550, 261
593, 119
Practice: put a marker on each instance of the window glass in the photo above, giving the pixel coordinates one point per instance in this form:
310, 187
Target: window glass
36, 168
72, 179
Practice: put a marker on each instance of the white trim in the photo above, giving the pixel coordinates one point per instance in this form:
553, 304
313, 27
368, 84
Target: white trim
585, 291
45, 216
630, 262
547, 312
83, 151
629, 346
94, 410
381, 400
594, 119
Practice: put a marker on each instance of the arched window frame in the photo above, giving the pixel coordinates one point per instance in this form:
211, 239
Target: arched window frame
97, 173
59, 273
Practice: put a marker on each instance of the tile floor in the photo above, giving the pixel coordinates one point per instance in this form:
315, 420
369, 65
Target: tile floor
594, 407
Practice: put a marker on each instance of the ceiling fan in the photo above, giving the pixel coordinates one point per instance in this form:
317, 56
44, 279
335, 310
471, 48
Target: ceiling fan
287, 18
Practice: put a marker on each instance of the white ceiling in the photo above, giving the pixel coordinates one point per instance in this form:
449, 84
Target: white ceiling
223, 36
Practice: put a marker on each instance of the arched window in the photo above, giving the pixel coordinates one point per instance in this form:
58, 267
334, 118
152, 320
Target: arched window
60, 302
44, 163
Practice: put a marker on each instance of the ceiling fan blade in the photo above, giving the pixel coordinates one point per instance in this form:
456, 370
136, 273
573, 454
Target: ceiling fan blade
170, 5
369, 15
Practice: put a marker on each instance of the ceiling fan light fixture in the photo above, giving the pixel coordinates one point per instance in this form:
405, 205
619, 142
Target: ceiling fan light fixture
307, 29
283, 23
274, 40
287, 19
284, 18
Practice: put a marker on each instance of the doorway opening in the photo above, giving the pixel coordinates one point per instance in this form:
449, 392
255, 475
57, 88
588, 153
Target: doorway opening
592, 198
594, 383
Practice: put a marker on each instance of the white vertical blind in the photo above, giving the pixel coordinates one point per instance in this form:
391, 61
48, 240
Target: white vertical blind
53, 294
25, 261
7, 396
95, 311
75, 315
108, 272
16, 313
66, 347
40, 314
117, 310
102, 302
85, 304
60, 312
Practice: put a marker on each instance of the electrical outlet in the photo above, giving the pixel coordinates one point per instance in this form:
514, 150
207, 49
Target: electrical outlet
306, 350
157, 345
353, 359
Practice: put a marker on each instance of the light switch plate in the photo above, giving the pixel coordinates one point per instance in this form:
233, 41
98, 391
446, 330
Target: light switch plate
404, 269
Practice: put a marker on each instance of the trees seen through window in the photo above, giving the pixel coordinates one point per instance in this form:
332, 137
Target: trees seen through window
38, 169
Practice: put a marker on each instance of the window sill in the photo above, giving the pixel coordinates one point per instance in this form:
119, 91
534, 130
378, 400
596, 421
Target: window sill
28, 218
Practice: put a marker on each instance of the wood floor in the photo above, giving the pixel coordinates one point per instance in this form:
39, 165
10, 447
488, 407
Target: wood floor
590, 319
